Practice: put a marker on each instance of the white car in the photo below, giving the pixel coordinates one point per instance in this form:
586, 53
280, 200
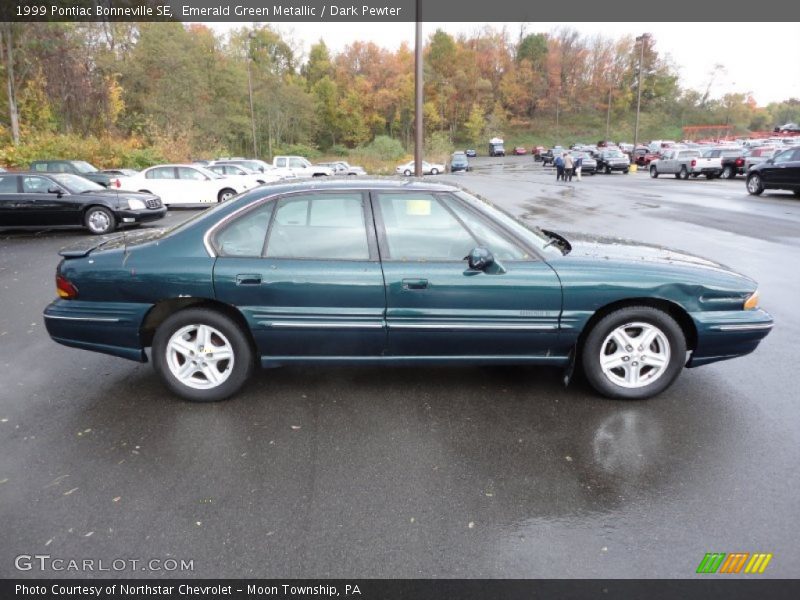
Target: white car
343, 168
257, 166
427, 169
252, 178
183, 184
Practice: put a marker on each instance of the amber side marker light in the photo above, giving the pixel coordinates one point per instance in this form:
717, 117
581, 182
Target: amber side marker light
752, 301
65, 289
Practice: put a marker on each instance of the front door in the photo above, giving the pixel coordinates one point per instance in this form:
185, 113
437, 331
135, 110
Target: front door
437, 306
304, 271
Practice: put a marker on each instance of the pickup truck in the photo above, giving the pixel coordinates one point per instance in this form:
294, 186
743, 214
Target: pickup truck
301, 167
681, 163
732, 162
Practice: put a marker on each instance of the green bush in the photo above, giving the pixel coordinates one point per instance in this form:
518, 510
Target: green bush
382, 148
338, 150
298, 150
438, 147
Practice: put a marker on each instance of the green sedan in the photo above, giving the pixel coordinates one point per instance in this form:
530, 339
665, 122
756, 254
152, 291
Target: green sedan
389, 272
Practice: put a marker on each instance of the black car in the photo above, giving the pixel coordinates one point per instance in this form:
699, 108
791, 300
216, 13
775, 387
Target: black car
788, 128
66, 200
612, 159
76, 167
782, 172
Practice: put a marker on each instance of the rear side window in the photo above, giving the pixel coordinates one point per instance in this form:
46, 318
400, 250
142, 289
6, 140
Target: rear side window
245, 236
321, 226
161, 173
8, 184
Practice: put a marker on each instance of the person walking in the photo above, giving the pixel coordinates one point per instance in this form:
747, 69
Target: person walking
569, 164
578, 166
559, 163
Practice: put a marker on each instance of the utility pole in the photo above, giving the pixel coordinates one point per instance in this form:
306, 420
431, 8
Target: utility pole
251, 36
641, 39
418, 125
558, 107
608, 114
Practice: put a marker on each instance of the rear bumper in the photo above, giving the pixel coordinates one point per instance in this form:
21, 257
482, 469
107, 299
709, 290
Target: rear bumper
728, 334
106, 327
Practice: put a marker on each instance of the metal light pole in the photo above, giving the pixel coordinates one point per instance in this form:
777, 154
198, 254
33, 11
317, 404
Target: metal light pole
251, 36
558, 106
641, 39
418, 141
608, 114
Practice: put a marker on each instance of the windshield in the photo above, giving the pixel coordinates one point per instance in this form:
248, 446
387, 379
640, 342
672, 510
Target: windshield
530, 233
76, 184
614, 154
83, 167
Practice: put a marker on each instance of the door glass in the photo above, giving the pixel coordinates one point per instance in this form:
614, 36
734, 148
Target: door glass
245, 236
418, 227
161, 173
322, 226
296, 163
35, 185
187, 173
784, 157
501, 247
8, 184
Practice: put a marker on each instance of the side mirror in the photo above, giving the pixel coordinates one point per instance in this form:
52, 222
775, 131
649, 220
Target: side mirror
479, 259
55, 190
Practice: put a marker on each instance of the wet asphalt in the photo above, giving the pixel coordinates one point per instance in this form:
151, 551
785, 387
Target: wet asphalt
418, 472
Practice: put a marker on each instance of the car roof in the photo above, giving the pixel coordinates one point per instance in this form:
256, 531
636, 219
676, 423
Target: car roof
388, 183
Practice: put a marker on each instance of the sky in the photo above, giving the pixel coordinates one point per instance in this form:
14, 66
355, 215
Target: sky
758, 58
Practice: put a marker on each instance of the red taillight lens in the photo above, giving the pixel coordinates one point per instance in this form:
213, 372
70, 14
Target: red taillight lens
65, 289
117, 183
739, 162
694, 163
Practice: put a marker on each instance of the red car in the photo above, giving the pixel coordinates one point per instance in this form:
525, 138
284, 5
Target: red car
520, 150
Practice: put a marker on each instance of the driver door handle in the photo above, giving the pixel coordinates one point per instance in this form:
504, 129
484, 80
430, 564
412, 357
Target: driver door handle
415, 284
248, 279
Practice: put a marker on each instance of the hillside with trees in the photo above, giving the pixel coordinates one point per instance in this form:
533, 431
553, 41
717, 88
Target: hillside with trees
138, 93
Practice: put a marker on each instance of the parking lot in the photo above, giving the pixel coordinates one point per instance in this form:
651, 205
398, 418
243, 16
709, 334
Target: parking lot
419, 472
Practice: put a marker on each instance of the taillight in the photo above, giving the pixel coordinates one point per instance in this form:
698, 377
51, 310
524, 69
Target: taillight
694, 163
117, 183
65, 288
739, 162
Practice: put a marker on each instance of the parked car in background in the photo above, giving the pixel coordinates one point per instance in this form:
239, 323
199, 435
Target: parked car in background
120, 172
781, 172
519, 151
588, 164
642, 156
249, 177
549, 156
612, 159
470, 152
759, 154
459, 162
257, 165
76, 167
342, 168
184, 184
35, 199
496, 147
732, 162
395, 272
709, 163
788, 128
301, 166
537, 152
676, 162
407, 169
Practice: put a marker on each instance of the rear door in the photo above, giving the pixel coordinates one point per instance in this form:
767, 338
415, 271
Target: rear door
437, 306
12, 202
314, 288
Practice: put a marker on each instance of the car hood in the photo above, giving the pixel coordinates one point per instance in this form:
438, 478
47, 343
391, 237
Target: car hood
609, 248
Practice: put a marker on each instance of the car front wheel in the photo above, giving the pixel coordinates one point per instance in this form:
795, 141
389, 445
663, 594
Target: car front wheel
99, 220
754, 184
202, 355
653, 172
226, 195
434, 171
407, 173
634, 353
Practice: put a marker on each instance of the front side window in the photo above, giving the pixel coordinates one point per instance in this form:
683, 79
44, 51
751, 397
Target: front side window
321, 226
784, 157
245, 236
488, 237
296, 163
192, 174
419, 227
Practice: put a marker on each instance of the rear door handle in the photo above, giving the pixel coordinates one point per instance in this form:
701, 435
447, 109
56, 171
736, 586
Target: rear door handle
248, 279
415, 284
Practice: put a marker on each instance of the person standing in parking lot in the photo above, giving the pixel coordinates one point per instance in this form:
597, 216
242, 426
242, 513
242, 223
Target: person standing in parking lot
578, 166
569, 164
559, 163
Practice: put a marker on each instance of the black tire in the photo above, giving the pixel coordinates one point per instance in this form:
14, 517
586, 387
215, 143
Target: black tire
225, 195
796, 193
728, 172
653, 171
710, 176
755, 186
242, 354
608, 170
99, 220
695, 175
434, 171
593, 346
683, 173
407, 173
626, 171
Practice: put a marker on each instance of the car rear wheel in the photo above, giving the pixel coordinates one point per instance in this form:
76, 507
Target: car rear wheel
202, 355
99, 220
634, 353
226, 194
434, 171
407, 173
727, 172
608, 170
754, 185
683, 173
653, 172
